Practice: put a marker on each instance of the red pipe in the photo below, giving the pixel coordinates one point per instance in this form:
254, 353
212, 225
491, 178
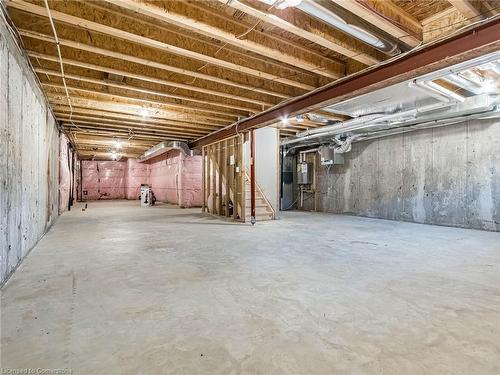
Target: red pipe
252, 174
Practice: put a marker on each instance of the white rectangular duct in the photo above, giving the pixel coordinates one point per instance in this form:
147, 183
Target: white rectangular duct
162, 148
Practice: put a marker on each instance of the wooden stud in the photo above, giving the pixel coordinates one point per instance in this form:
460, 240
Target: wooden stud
220, 170
214, 180
226, 175
203, 178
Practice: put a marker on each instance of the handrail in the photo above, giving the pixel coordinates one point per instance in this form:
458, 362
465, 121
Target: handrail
262, 194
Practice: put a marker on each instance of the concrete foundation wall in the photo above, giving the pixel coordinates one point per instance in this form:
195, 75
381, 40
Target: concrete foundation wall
448, 176
29, 154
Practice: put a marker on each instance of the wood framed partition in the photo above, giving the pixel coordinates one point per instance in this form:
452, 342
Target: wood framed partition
224, 192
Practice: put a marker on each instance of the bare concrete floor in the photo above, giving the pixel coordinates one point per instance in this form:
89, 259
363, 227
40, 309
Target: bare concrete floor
120, 289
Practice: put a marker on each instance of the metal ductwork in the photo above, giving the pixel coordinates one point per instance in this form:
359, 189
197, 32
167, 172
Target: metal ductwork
329, 17
430, 114
466, 91
162, 148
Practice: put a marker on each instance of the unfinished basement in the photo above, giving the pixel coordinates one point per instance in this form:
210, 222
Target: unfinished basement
250, 187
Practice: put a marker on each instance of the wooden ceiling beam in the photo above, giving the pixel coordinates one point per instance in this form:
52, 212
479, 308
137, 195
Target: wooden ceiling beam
324, 67
130, 109
160, 81
100, 147
144, 90
188, 130
137, 60
388, 17
110, 142
122, 134
184, 33
100, 126
150, 101
141, 40
467, 9
103, 155
122, 117
312, 35
234, 21
472, 42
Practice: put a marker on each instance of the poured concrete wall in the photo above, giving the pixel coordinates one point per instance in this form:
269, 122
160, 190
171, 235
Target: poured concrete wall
29, 154
448, 176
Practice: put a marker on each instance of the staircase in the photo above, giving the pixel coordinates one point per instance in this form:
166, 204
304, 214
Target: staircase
263, 209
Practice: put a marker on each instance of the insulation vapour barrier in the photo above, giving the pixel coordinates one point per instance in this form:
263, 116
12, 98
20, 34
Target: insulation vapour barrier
136, 174
103, 179
174, 178
64, 174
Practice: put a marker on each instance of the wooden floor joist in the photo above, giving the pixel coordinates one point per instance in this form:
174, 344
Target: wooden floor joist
222, 116
146, 78
325, 67
472, 42
321, 40
153, 64
148, 71
402, 26
130, 109
121, 34
124, 117
189, 130
121, 85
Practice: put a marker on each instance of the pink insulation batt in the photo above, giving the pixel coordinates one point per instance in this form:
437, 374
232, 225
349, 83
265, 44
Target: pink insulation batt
103, 179
136, 174
174, 177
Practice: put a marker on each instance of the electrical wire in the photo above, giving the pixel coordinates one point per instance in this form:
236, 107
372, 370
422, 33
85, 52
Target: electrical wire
237, 37
18, 42
61, 64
